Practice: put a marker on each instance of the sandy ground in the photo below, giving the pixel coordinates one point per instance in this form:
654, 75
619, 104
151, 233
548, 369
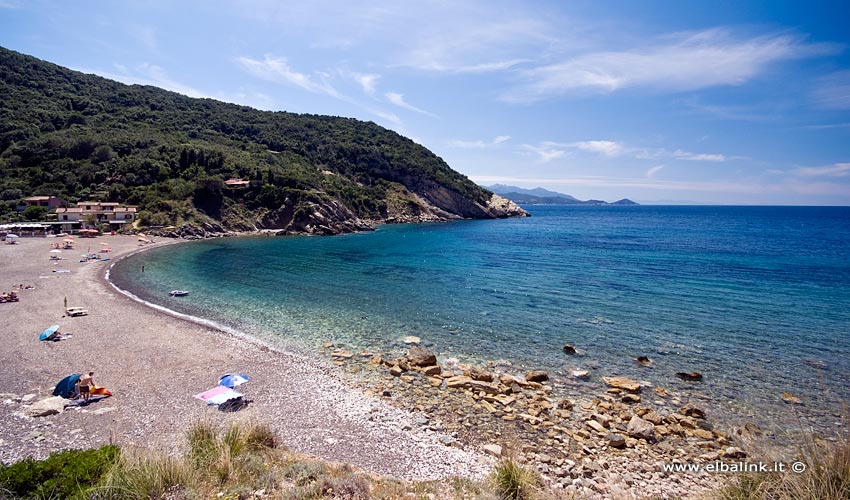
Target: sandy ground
154, 363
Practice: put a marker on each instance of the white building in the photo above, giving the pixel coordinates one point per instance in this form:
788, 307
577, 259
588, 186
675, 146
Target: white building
102, 212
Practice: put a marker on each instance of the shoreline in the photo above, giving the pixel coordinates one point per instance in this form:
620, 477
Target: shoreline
154, 363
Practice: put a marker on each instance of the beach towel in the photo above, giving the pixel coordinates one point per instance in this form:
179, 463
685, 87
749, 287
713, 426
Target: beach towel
218, 395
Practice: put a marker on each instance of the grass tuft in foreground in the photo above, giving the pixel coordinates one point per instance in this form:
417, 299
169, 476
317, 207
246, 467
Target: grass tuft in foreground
826, 477
514, 482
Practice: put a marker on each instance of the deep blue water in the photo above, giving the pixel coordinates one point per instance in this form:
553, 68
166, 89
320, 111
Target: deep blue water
755, 298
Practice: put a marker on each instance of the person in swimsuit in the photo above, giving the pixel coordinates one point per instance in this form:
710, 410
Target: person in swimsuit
86, 382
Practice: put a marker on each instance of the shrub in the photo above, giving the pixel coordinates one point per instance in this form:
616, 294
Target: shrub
514, 482
144, 476
65, 474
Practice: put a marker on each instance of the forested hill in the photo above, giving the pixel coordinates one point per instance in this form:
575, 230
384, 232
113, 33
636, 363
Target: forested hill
82, 137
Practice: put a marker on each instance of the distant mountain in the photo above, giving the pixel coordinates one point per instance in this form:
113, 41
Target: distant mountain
540, 196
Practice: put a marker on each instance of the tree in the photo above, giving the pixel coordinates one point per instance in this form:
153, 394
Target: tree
35, 213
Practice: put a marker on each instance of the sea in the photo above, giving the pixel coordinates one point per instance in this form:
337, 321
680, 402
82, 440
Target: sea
756, 299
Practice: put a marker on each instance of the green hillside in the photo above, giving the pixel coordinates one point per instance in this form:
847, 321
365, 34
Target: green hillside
83, 137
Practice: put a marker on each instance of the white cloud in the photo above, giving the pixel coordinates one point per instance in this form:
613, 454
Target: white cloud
479, 144
545, 153
834, 170
685, 62
398, 100
145, 35
686, 155
654, 170
276, 69
833, 91
654, 154
607, 148
367, 82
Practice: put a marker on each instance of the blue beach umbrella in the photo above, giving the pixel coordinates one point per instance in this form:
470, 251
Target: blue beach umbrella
46, 334
65, 387
232, 380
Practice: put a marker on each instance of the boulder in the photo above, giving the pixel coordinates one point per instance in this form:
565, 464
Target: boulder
616, 440
734, 453
342, 353
432, 370
564, 404
690, 376
643, 361
691, 410
580, 374
791, 399
376, 360
421, 356
630, 398
622, 383
411, 339
640, 428
537, 376
476, 373
570, 349
49, 406
458, 382
492, 449
396, 371
488, 388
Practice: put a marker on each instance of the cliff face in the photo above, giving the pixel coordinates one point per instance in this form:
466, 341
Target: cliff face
80, 137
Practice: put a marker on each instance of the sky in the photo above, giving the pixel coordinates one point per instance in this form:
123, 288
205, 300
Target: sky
721, 102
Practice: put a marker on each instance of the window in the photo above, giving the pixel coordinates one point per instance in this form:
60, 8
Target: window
64, 217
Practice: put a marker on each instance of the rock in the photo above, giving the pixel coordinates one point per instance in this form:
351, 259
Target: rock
536, 376
478, 385
431, 370
580, 374
435, 382
342, 353
690, 376
396, 371
376, 360
27, 398
630, 398
703, 434
623, 383
327, 344
420, 356
662, 392
653, 417
411, 339
596, 426
564, 404
616, 440
458, 382
791, 399
691, 410
570, 349
49, 406
643, 361
640, 428
734, 453
492, 449
476, 373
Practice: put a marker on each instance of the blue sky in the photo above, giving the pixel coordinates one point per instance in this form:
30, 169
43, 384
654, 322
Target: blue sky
710, 102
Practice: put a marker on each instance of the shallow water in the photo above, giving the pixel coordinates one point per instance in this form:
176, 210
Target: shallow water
755, 298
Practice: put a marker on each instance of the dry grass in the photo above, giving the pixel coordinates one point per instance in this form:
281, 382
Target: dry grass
826, 477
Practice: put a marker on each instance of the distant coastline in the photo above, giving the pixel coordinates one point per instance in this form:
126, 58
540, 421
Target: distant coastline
540, 196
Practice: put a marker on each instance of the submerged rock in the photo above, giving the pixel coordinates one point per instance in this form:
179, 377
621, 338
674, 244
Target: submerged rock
643, 361
791, 399
622, 383
537, 376
570, 349
690, 376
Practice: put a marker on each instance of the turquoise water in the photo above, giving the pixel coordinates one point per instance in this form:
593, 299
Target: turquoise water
755, 298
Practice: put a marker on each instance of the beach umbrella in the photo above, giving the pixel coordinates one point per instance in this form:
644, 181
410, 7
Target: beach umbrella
11, 235
104, 243
65, 387
232, 380
49, 332
56, 251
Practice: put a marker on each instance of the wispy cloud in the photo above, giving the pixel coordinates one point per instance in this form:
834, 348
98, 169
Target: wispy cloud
398, 100
545, 152
679, 154
607, 148
833, 91
479, 144
368, 82
277, 69
145, 35
654, 170
834, 170
680, 63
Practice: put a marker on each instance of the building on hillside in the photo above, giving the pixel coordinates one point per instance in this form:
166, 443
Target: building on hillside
97, 212
42, 201
235, 182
